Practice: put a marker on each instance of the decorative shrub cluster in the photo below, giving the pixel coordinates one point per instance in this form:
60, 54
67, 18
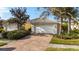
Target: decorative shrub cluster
75, 31
16, 34
4, 34
64, 27
74, 34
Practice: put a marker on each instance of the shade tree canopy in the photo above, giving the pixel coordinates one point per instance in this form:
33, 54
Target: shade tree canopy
21, 14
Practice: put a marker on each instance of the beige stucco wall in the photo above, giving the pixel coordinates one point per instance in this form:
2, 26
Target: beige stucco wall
10, 27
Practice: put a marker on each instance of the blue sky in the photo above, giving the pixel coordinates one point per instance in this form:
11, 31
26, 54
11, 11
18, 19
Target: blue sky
32, 11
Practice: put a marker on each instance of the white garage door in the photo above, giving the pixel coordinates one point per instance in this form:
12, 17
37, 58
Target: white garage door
52, 29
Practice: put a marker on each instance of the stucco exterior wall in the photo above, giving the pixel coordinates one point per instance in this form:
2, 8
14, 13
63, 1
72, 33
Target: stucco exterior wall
10, 27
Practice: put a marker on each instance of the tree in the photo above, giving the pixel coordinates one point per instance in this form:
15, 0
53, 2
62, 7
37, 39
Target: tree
64, 27
62, 13
12, 20
20, 14
57, 12
70, 13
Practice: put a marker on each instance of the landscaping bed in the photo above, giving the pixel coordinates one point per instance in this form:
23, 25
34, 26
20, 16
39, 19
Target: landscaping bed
56, 40
61, 49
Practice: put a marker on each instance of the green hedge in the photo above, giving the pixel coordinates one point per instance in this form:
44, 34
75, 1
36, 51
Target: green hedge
74, 34
17, 34
4, 34
75, 31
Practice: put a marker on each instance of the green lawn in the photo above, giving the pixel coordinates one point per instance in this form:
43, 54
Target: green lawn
4, 41
56, 40
61, 49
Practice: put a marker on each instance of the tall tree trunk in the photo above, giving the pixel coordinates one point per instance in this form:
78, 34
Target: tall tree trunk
69, 25
60, 28
18, 26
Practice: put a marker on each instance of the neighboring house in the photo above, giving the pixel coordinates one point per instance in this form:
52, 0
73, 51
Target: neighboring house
44, 26
10, 26
74, 25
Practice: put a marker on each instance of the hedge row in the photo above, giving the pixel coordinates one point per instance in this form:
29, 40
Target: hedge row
17, 34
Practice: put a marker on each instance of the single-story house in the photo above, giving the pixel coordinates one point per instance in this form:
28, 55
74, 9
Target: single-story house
10, 26
39, 25
44, 26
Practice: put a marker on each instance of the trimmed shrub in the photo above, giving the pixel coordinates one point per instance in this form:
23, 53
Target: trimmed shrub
17, 34
75, 31
74, 34
64, 27
68, 36
4, 34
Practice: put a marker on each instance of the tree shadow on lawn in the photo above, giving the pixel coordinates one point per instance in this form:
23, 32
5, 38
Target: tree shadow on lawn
7, 49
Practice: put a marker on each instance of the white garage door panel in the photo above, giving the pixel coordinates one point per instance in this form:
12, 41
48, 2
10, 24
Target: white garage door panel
47, 29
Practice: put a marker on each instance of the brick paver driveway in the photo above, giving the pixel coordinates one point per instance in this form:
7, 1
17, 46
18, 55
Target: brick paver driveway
29, 43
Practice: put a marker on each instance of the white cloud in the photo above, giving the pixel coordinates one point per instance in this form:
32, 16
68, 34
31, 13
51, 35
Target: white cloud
3, 9
4, 12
